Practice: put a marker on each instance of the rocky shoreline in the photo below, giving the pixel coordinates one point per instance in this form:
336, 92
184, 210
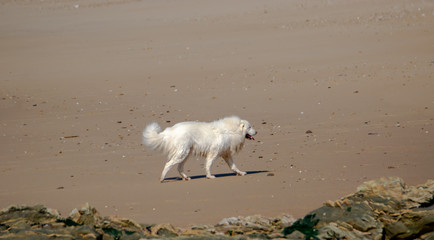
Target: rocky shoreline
380, 209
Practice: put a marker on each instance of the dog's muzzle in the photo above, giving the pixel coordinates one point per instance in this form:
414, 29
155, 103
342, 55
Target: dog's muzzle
248, 136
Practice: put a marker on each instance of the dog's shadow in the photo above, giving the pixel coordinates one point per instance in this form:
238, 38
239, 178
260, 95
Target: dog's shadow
219, 175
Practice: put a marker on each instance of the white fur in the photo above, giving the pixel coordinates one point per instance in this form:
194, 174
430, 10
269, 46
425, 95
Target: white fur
221, 138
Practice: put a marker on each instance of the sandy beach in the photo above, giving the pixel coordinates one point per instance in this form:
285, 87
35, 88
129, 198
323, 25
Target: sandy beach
340, 91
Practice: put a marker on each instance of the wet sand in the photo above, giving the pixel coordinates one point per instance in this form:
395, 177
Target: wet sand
341, 92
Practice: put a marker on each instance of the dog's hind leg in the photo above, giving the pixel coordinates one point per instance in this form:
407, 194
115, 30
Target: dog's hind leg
228, 159
166, 169
177, 158
181, 170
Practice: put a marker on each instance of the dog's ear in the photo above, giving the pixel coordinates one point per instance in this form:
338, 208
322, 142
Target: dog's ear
242, 124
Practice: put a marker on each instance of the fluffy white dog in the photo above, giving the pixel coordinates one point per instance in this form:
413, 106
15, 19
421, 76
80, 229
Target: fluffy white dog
221, 138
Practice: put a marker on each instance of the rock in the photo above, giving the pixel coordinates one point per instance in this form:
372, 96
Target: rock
381, 209
343, 231
38, 222
164, 230
283, 221
256, 226
228, 221
395, 188
428, 236
296, 236
199, 230
86, 215
22, 217
194, 232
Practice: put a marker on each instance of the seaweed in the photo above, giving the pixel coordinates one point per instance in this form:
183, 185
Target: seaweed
116, 234
69, 222
305, 226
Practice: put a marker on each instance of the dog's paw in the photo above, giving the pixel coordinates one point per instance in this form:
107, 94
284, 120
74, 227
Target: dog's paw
210, 177
186, 178
241, 173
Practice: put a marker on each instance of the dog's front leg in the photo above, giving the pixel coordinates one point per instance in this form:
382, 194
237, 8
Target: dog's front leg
209, 161
231, 164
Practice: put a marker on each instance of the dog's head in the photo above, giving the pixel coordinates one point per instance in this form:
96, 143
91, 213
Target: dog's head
248, 130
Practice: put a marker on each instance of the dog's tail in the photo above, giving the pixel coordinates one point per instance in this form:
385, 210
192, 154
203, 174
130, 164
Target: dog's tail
152, 137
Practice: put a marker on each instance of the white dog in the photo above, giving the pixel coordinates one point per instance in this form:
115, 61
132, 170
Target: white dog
221, 138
